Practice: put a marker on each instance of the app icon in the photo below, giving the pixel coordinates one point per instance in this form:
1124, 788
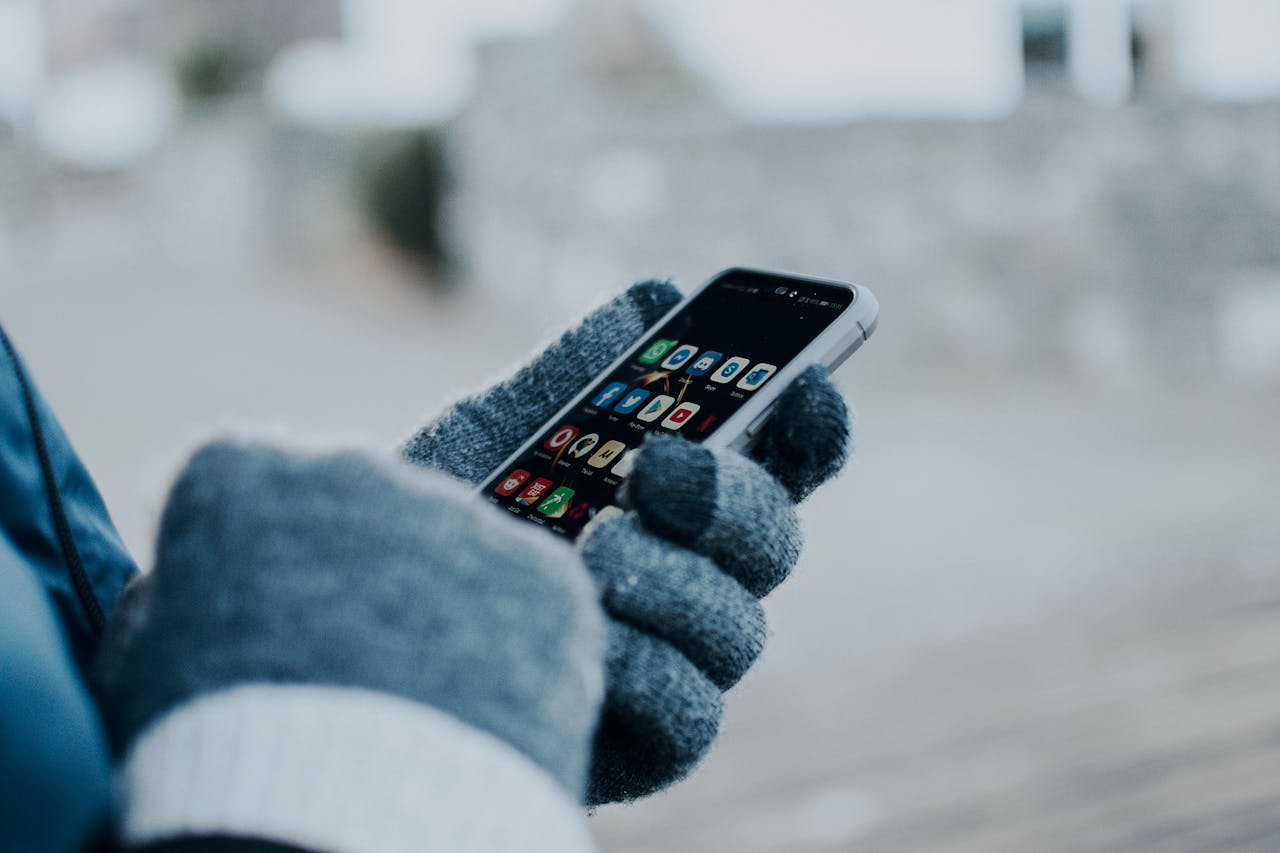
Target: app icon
707, 422
512, 481
606, 454
729, 370
562, 436
705, 362
624, 466
584, 445
678, 358
756, 377
556, 503
656, 407
631, 401
534, 491
680, 414
656, 350
611, 393
581, 511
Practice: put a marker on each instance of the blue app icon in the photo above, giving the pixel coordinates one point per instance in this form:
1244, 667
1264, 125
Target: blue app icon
705, 362
631, 400
679, 356
609, 395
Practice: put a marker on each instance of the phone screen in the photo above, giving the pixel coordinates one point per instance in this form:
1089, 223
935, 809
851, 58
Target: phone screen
686, 378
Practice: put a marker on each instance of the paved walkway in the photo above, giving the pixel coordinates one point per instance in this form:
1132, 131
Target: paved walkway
1148, 728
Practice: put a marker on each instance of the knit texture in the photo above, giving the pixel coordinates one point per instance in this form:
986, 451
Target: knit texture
661, 716
810, 438
679, 596
346, 570
475, 435
706, 535
693, 587
731, 510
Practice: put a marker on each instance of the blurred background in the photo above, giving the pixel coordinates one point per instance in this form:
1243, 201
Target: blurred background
1042, 611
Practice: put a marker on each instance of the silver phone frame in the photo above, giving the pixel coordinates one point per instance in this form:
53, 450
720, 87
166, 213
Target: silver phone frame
830, 349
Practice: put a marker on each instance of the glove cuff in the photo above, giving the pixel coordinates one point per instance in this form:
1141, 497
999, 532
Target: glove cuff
341, 769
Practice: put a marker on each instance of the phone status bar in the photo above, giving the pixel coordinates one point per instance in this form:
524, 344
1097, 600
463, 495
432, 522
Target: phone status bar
806, 294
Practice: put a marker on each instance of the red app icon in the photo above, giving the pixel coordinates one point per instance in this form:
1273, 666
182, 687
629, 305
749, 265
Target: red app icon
680, 415
534, 491
561, 437
706, 423
580, 510
512, 481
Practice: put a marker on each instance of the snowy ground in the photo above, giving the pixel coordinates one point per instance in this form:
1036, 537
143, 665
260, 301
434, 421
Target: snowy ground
1039, 613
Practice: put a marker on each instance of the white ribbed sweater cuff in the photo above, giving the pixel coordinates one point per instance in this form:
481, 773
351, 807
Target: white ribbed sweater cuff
341, 769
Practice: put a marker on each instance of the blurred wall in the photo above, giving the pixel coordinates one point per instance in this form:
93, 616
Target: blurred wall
1112, 241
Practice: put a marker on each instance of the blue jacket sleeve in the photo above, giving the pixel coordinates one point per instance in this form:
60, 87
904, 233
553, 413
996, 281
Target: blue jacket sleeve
62, 566
52, 513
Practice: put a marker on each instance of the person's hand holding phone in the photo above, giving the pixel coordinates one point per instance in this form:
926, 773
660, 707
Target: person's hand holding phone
705, 536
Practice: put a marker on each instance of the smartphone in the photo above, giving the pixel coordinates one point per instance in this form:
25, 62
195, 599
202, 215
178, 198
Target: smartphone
710, 370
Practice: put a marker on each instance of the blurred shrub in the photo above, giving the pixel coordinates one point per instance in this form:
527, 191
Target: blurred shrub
403, 179
212, 68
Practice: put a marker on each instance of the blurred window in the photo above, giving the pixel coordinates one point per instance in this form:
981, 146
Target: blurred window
1044, 38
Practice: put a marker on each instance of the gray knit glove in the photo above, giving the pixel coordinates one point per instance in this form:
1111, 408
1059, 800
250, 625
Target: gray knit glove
682, 572
344, 652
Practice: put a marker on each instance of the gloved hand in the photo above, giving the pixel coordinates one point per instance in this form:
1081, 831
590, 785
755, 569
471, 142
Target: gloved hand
341, 653
682, 572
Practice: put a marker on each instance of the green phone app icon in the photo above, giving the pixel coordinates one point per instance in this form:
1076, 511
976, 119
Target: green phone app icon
556, 502
656, 350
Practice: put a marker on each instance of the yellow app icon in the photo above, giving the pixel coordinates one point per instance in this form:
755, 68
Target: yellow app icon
606, 454
624, 466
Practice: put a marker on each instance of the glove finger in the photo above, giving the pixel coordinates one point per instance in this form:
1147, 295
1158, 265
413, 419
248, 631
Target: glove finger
721, 505
660, 716
474, 436
678, 595
809, 437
